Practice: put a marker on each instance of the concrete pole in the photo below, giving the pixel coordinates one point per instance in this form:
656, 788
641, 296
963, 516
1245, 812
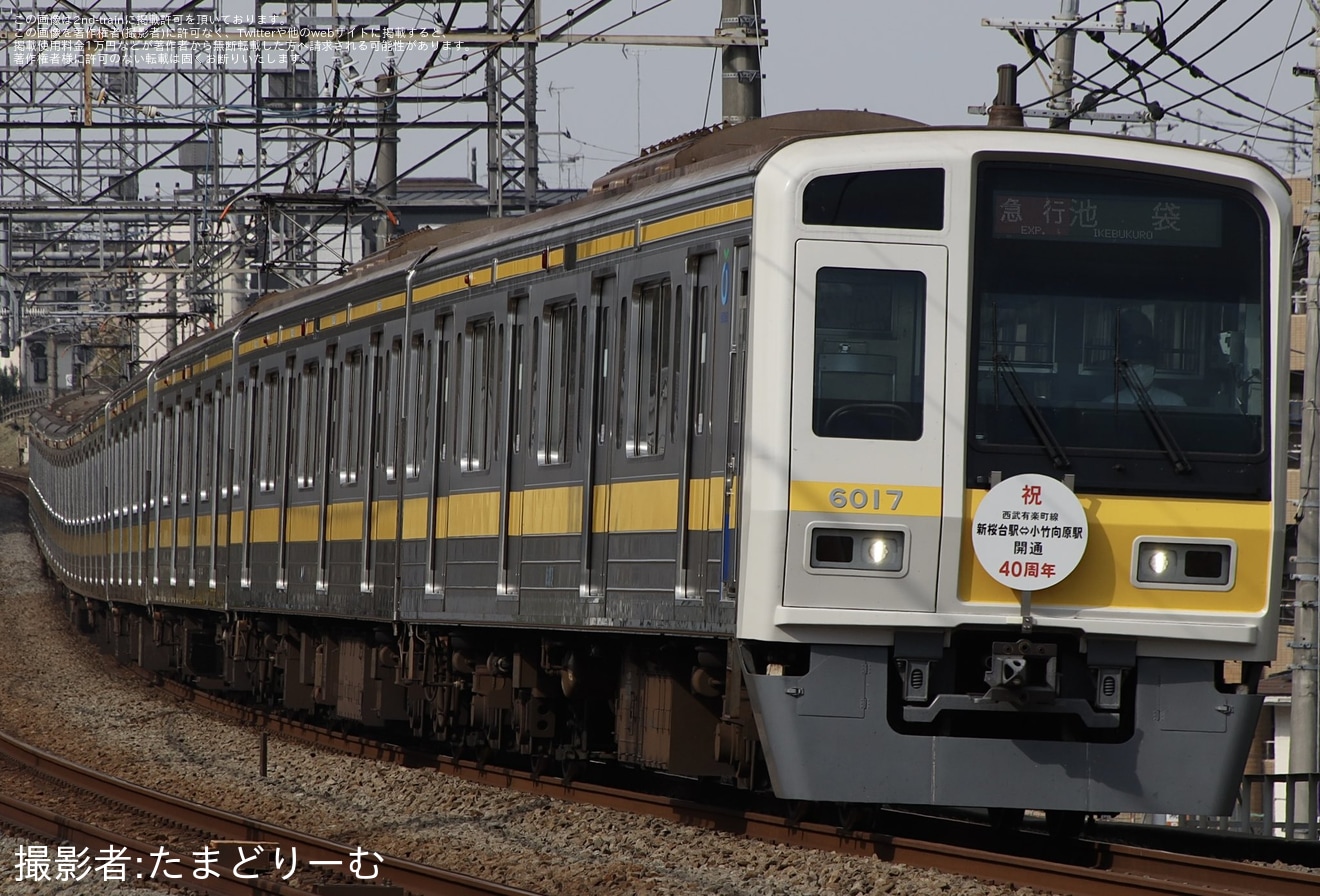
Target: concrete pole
1061, 76
171, 312
741, 88
1302, 743
387, 156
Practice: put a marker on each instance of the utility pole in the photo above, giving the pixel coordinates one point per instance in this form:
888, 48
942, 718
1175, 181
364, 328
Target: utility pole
1059, 107
741, 88
560, 133
387, 150
1302, 744
1061, 74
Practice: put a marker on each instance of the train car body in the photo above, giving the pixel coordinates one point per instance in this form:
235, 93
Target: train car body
688, 474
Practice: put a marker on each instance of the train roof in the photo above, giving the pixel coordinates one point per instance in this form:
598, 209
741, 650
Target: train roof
718, 150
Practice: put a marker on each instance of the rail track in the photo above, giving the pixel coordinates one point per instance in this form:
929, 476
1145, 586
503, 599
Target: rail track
217, 827
1084, 867
14, 483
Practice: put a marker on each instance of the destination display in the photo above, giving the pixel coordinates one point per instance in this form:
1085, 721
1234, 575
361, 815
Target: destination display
1094, 218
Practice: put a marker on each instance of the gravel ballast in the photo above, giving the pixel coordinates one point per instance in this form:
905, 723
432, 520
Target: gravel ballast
58, 693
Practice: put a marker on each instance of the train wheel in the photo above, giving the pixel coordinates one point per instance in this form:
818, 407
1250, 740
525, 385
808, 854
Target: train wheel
1065, 824
1006, 821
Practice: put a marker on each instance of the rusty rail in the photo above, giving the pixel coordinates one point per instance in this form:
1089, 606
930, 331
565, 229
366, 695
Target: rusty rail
411, 876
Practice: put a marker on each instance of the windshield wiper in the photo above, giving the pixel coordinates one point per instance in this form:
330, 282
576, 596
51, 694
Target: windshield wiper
1035, 419
1161, 429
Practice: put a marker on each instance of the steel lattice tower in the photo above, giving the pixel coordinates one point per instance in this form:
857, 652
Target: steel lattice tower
163, 168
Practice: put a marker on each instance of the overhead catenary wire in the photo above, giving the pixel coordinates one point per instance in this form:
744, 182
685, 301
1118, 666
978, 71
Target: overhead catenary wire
1262, 117
1191, 66
466, 133
1203, 96
1275, 80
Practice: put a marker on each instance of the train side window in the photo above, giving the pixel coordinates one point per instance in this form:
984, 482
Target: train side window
538, 359
460, 394
261, 423
443, 391
559, 383
516, 372
207, 447
309, 423
582, 374
905, 199
621, 374
187, 453
738, 361
350, 433
317, 418
331, 409
298, 435
703, 357
869, 354
268, 425
290, 413
650, 369
417, 417
390, 409
481, 394
677, 364
242, 436
167, 450
373, 405
134, 479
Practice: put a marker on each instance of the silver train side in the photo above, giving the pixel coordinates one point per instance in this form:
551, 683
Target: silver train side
683, 475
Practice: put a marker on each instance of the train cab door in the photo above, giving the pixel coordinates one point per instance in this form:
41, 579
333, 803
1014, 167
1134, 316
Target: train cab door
867, 426
603, 400
515, 400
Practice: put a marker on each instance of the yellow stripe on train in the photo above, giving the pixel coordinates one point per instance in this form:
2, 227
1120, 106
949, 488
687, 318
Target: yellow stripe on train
1103, 578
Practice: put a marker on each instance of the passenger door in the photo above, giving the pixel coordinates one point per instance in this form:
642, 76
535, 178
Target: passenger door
603, 401
867, 422
516, 385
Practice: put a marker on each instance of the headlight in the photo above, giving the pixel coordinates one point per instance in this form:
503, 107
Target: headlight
883, 551
1183, 563
1159, 561
859, 549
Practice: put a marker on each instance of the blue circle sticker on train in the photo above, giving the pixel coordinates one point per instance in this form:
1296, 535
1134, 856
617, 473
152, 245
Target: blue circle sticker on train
724, 284
1029, 532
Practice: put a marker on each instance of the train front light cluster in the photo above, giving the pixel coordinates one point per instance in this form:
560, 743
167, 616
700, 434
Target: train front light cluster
1183, 563
863, 550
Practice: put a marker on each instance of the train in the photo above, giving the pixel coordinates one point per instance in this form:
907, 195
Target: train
829, 453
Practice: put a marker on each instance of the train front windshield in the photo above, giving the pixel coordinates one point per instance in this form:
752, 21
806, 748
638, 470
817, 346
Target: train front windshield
1120, 332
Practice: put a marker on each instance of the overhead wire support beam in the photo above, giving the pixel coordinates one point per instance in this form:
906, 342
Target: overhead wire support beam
1060, 110
1060, 25
1137, 117
463, 36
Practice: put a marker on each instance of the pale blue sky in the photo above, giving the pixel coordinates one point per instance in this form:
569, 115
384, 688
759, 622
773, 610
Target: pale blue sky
923, 59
